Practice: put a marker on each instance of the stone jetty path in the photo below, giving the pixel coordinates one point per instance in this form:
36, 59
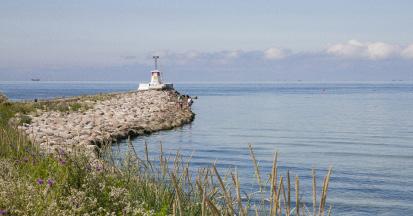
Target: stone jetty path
119, 116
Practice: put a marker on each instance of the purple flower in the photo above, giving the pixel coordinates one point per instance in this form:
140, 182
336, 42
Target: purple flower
50, 182
61, 151
25, 159
3, 212
40, 181
62, 161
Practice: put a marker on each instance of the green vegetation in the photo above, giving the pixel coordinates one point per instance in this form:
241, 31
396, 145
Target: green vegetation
9, 110
3, 98
33, 183
60, 105
73, 104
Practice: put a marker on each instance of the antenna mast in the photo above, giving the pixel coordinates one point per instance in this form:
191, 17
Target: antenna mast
156, 62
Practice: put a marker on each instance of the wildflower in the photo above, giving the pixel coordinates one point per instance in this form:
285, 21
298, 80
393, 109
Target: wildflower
25, 159
62, 161
40, 181
61, 151
50, 182
3, 212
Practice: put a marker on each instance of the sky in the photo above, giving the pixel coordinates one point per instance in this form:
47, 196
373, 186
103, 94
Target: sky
226, 41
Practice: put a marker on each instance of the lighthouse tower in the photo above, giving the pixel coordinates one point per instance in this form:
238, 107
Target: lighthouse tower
156, 74
156, 80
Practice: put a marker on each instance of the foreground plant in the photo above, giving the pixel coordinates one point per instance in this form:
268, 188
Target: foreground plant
207, 192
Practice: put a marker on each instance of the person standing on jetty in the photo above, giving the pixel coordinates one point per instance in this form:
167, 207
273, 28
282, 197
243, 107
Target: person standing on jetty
190, 102
180, 101
187, 99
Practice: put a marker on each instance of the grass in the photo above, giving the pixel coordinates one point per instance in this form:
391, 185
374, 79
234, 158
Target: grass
71, 104
33, 183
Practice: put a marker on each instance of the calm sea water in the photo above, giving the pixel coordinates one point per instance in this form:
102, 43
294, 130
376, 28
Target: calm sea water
363, 130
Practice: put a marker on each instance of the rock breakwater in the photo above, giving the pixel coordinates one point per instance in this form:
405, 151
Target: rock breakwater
119, 116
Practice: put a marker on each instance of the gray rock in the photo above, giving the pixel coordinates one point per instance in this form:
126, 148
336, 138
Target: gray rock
125, 114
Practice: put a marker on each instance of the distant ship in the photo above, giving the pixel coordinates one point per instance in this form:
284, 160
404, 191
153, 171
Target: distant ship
36, 80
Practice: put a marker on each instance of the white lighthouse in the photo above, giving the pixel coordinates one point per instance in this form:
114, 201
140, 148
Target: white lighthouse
156, 80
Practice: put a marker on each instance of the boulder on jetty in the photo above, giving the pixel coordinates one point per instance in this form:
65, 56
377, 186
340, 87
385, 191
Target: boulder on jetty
117, 117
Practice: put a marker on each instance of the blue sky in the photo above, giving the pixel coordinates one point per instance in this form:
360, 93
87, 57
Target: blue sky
311, 40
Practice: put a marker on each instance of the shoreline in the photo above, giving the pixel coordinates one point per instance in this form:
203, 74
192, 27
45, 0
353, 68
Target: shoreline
93, 121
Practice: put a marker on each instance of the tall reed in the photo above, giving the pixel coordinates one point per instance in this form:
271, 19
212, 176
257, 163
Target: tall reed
211, 193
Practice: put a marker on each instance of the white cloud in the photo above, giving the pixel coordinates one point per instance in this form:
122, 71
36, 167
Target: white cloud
381, 50
356, 49
408, 52
274, 53
351, 49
